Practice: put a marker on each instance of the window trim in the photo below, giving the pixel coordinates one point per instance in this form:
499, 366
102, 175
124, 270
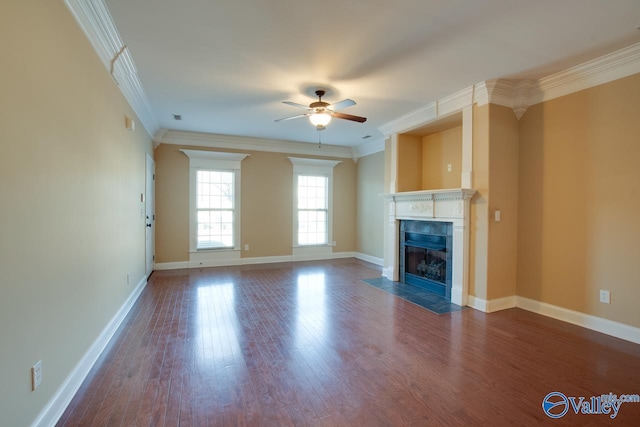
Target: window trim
214, 160
313, 167
325, 210
233, 208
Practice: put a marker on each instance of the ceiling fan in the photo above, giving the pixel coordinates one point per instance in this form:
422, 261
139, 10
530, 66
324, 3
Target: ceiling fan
320, 112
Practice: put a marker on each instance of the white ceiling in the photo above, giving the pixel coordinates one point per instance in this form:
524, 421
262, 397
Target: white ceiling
227, 65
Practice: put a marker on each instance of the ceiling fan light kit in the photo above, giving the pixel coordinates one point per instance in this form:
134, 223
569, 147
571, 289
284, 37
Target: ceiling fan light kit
320, 113
320, 120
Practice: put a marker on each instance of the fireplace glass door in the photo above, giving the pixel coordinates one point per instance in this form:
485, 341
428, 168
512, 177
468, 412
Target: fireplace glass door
427, 263
425, 255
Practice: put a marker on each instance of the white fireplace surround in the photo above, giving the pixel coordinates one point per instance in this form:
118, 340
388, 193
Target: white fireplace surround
450, 205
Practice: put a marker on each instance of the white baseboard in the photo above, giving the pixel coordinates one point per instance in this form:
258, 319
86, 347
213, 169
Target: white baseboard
489, 306
598, 324
343, 255
387, 272
369, 258
477, 303
54, 409
171, 265
609, 327
266, 260
214, 258
214, 263
255, 260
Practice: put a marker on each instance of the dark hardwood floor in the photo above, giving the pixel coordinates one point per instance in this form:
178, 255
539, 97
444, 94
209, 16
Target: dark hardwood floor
306, 344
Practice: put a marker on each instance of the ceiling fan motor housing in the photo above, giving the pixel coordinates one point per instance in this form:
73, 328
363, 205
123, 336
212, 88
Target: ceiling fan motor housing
319, 105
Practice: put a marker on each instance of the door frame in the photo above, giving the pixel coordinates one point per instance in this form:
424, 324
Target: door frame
150, 214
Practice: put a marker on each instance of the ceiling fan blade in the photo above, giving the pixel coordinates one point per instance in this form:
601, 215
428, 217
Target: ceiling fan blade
341, 104
349, 117
292, 117
295, 104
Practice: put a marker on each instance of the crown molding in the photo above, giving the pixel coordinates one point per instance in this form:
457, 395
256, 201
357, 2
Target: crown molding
521, 94
232, 142
214, 155
94, 19
430, 112
613, 66
157, 137
368, 148
96, 22
297, 161
410, 120
455, 102
516, 95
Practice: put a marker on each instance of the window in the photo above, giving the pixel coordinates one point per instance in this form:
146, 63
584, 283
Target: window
313, 207
214, 204
214, 209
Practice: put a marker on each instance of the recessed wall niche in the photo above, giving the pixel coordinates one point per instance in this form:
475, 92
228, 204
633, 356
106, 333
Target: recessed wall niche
430, 157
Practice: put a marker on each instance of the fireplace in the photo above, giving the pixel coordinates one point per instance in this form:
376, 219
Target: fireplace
439, 208
425, 256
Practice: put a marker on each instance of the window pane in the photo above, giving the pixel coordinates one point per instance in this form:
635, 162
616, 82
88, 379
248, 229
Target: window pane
214, 190
215, 229
312, 227
312, 209
312, 192
214, 206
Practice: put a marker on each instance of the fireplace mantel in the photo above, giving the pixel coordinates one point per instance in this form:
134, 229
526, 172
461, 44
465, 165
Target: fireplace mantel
448, 194
450, 205
430, 204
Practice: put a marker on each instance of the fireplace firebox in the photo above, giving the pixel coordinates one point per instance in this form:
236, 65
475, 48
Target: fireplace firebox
426, 255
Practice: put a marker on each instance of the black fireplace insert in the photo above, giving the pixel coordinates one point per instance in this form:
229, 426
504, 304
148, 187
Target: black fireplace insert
426, 255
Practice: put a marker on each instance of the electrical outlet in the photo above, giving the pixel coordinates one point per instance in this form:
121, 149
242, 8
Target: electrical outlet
36, 375
449, 167
246, 247
605, 297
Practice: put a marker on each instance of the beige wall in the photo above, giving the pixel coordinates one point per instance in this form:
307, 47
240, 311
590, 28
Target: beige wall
479, 210
422, 160
579, 201
389, 187
409, 163
172, 204
493, 245
71, 176
439, 150
503, 183
267, 204
370, 210
345, 206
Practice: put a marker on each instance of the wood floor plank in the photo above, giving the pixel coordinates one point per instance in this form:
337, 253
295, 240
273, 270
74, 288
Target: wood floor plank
309, 344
